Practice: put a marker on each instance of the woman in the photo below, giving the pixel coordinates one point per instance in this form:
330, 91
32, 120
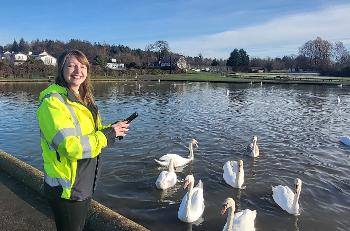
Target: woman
72, 137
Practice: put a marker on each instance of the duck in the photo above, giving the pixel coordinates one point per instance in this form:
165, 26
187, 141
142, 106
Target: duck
243, 220
179, 161
253, 149
286, 198
234, 173
192, 204
167, 179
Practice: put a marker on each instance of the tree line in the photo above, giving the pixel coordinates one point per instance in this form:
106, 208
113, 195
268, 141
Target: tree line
316, 55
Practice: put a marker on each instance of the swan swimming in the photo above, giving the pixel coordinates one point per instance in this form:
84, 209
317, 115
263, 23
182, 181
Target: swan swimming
178, 160
243, 220
192, 204
167, 179
253, 148
234, 173
286, 198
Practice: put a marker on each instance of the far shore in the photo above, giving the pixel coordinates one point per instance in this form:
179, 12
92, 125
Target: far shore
253, 78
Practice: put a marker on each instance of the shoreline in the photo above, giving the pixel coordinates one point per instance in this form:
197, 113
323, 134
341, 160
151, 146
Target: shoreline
252, 78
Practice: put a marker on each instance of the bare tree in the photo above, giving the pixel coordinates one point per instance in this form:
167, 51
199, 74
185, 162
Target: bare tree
318, 51
341, 54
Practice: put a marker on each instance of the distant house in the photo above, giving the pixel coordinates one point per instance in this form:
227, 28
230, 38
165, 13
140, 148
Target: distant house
18, 58
14, 58
46, 58
257, 69
6, 56
173, 62
114, 65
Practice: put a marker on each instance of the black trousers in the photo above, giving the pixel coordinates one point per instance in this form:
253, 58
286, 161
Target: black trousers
69, 215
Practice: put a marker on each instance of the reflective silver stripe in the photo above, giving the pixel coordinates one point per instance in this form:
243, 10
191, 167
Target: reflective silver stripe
61, 134
57, 181
85, 143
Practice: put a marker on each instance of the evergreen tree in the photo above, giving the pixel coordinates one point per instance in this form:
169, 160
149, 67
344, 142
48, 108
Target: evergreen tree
15, 47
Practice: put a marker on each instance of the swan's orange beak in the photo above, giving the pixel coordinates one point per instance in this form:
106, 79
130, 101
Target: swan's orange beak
186, 184
223, 210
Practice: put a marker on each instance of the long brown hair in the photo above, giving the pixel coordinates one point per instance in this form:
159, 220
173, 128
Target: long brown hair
85, 89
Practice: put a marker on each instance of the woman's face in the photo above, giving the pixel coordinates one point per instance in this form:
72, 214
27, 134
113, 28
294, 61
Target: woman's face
74, 73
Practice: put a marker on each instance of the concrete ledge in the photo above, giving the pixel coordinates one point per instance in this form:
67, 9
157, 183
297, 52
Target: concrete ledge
99, 218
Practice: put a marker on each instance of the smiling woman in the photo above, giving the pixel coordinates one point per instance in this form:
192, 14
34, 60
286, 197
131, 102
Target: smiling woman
72, 137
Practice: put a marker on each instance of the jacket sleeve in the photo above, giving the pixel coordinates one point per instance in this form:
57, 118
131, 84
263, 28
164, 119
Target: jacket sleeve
62, 131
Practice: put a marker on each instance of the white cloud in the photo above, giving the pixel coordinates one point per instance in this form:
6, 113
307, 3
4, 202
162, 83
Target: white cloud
278, 37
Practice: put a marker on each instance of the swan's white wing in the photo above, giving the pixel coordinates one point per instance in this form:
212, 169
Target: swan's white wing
230, 174
244, 220
163, 163
197, 203
160, 178
170, 179
178, 160
166, 180
181, 214
283, 196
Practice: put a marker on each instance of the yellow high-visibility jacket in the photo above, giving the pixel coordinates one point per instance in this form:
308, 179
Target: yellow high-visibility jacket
71, 139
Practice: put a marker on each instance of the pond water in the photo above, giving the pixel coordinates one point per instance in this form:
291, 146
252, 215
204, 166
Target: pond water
298, 129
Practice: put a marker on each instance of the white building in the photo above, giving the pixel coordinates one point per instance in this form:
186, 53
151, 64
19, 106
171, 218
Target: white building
46, 58
116, 66
6, 55
18, 58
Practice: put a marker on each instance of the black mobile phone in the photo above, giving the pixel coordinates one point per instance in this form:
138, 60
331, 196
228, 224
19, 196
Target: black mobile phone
129, 119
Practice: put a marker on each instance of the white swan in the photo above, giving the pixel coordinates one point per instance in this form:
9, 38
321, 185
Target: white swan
286, 198
253, 148
178, 160
167, 179
234, 173
192, 204
243, 220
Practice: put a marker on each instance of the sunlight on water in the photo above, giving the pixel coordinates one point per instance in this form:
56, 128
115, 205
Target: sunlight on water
298, 129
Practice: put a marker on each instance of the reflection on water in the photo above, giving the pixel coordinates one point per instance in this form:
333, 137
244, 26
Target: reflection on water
298, 127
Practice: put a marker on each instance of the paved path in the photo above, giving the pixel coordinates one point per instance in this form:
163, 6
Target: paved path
21, 209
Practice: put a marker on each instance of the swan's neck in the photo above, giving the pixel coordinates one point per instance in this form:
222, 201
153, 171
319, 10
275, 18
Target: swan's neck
240, 176
190, 147
229, 220
189, 198
171, 167
295, 205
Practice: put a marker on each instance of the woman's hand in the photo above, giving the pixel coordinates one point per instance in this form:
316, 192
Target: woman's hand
120, 128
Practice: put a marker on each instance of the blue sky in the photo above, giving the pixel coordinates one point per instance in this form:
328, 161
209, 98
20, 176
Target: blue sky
269, 28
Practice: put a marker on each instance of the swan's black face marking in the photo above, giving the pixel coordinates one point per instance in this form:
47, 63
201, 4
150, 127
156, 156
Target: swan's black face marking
297, 185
